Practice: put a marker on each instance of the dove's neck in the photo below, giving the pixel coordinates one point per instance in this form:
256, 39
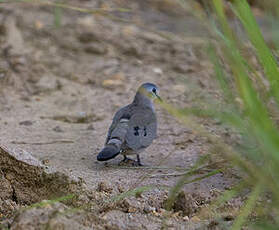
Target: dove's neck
144, 101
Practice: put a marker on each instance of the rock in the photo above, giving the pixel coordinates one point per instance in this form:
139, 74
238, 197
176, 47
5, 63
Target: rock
186, 204
195, 219
46, 217
47, 83
132, 48
38, 25
228, 217
8, 154
115, 81
29, 179
109, 83
45, 161
14, 37
95, 48
152, 37
88, 37
81, 117
87, 21
130, 30
120, 188
118, 76
104, 187
115, 217
213, 225
179, 88
183, 68
90, 127
57, 129
129, 205
157, 70
148, 209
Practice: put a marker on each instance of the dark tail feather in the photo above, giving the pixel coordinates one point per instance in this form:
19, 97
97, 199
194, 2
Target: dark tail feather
108, 152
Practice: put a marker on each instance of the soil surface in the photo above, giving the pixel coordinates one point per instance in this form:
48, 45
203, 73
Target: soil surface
63, 75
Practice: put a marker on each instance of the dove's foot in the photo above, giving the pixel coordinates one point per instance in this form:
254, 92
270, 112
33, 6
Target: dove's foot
129, 161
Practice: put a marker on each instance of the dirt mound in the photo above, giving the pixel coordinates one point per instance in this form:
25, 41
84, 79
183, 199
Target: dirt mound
25, 180
26, 187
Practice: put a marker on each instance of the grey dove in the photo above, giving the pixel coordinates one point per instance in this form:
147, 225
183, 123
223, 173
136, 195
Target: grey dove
133, 127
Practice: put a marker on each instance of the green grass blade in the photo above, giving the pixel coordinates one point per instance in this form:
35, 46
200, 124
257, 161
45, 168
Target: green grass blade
57, 16
263, 226
132, 192
220, 75
259, 120
263, 52
229, 117
229, 194
219, 8
49, 202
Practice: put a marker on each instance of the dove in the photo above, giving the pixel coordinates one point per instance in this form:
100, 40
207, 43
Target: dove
134, 126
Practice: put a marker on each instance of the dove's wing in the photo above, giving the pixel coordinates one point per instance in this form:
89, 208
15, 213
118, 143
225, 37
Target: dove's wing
116, 127
142, 129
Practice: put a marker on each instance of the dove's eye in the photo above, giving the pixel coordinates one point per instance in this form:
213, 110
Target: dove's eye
154, 90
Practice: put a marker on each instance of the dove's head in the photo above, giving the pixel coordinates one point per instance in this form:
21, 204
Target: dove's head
150, 90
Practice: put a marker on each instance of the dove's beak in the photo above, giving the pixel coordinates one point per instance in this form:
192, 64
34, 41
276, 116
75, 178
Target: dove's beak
159, 98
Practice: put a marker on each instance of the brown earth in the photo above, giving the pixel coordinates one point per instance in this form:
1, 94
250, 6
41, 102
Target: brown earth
60, 87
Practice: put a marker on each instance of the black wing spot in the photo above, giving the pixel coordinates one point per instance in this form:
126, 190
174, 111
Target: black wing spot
144, 130
136, 129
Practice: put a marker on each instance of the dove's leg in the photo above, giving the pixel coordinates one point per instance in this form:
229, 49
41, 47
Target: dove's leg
138, 160
130, 161
126, 158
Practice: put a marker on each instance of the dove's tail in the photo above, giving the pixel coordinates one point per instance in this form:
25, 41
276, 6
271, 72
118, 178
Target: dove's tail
108, 152
114, 141
111, 150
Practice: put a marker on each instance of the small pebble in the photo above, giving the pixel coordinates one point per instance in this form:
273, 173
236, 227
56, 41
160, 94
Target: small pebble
90, 127
149, 209
26, 123
57, 129
104, 187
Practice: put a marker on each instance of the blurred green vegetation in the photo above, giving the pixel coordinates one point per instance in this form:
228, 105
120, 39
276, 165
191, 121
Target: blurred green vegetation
250, 105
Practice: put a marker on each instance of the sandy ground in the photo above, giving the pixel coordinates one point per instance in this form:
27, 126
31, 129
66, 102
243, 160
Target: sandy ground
61, 86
